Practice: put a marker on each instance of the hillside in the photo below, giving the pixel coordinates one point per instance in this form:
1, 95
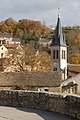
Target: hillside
30, 30
26, 29
72, 35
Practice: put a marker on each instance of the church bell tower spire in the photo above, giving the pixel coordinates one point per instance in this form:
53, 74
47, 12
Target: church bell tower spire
59, 49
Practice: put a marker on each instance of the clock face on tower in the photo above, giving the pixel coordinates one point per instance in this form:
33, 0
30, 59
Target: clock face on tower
55, 64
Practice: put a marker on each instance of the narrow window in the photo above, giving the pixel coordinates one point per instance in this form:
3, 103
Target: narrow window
57, 55
62, 54
54, 54
0, 41
2, 48
1, 55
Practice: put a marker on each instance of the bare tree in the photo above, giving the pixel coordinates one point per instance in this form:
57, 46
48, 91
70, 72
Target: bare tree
27, 58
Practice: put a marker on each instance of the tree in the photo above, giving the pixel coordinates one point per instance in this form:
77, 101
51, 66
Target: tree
11, 24
26, 58
75, 59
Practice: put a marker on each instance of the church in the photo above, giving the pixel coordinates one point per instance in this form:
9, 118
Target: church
69, 84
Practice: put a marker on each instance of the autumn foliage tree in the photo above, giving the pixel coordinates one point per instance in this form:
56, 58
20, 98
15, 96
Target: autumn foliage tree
26, 58
75, 59
72, 35
26, 29
32, 30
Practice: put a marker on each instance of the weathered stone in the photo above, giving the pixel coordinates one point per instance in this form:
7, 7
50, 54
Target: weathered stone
68, 105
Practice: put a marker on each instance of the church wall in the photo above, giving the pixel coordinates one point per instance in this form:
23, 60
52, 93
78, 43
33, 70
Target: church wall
63, 62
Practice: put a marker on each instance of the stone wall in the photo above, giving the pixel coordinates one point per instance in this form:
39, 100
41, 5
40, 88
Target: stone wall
64, 104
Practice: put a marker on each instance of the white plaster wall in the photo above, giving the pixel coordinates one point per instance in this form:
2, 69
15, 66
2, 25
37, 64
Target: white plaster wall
63, 62
3, 50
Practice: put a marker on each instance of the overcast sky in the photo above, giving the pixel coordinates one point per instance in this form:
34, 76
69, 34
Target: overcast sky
43, 10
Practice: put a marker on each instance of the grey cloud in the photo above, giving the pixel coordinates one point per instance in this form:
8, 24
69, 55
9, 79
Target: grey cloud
41, 9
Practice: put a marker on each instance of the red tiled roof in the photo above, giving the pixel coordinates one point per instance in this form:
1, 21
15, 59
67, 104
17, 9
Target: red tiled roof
74, 67
11, 45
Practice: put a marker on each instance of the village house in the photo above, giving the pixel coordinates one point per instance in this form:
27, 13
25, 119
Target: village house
3, 51
8, 39
45, 41
7, 42
71, 85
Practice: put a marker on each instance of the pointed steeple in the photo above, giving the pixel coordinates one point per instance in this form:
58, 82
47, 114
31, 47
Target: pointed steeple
59, 50
58, 38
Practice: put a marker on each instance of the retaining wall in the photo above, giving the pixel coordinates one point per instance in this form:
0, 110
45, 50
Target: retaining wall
64, 104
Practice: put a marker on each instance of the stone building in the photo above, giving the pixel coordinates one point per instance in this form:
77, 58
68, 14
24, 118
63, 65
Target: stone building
71, 85
36, 81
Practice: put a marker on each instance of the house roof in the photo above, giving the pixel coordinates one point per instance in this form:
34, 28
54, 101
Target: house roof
74, 80
5, 35
16, 39
10, 46
58, 38
74, 68
35, 79
45, 39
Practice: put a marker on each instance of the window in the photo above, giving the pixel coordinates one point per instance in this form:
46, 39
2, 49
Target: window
54, 54
55, 69
7, 42
46, 89
2, 48
57, 55
3, 41
1, 55
63, 54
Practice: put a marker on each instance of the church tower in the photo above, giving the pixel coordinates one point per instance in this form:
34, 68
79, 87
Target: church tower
59, 50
